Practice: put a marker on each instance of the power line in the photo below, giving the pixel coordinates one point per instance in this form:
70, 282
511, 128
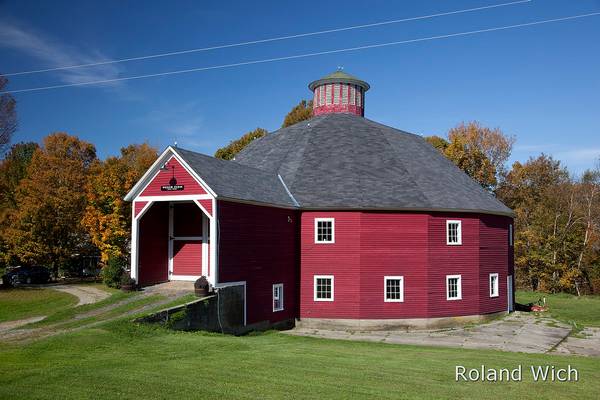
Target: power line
174, 53
297, 56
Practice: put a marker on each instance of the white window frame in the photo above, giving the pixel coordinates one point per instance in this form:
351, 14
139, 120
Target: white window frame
385, 294
458, 287
278, 286
510, 235
458, 232
494, 289
315, 287
317, 220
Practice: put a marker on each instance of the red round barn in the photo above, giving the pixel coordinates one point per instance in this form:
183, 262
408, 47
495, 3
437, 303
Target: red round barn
336, 220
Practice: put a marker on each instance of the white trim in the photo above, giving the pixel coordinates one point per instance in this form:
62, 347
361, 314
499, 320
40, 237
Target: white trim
288, 191
196, 238
510, 293
458, 287
510, 235
133, 272
315, 287
204, 245
190, 278
194, 174
170, 239
238, 283
154, 169
458, 232
389, 278
143, 210
204, 211
280, 287
174, 197
494, 289
332, 220
150, 171
213, 278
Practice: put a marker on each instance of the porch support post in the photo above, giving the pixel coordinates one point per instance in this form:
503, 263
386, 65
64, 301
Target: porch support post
134, 243
214, 268
205, 225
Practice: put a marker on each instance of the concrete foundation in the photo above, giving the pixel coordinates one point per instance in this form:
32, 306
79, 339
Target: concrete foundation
394, 324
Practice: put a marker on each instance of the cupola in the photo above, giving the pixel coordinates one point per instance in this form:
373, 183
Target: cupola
339, 92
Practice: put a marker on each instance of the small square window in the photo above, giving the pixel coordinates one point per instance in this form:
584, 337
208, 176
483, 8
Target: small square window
394, 288
278, 297
453, 233
324, 230
453, 287
494, 285
323, 288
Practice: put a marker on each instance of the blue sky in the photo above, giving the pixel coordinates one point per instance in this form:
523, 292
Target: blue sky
540, 83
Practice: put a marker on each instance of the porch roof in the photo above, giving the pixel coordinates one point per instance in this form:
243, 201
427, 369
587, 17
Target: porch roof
237, 181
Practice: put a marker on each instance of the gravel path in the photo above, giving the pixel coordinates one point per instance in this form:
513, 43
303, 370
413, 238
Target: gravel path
86, 294
518, 332
7, 326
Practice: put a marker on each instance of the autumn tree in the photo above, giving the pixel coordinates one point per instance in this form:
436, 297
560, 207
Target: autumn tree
301, 112
107, 217
51, 200
228, 152
8, 117
542, 195
479, 151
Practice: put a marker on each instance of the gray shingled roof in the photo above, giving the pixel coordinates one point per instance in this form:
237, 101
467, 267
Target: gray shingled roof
346, 161
235, 181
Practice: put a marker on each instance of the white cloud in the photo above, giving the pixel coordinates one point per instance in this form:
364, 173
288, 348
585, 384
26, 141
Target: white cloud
181, 123
51, 53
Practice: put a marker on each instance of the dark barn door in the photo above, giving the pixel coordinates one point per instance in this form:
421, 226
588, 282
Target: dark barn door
153, 248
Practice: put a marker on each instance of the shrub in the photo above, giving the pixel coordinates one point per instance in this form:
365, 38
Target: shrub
113, 271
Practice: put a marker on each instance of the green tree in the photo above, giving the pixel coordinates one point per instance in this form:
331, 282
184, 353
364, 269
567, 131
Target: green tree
8, 116
301, 112
13, 168
46, 227
107, 217
228, 152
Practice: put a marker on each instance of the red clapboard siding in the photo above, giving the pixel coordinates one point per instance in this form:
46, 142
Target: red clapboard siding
187, 219
139, 206
453, 260
371, 245
187, 257
153, 245
393, 245
259, 245
207, 204
493, 252
191, 186
341, 259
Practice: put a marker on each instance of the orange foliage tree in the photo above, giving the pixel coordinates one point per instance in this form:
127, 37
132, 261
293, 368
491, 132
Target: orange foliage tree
46, 225
107, 217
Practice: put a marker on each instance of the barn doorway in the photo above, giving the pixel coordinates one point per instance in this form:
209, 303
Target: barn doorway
187, 230
173, 242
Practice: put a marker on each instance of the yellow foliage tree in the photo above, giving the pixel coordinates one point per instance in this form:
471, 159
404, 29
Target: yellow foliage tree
107, 217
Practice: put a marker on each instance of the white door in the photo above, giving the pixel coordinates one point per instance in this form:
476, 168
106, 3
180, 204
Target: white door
509, 293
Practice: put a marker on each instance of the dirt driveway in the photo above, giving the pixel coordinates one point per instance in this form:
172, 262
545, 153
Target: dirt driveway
518, 332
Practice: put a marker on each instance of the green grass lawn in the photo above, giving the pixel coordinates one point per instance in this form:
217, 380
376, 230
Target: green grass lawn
24, 303
584, 310
127, 361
